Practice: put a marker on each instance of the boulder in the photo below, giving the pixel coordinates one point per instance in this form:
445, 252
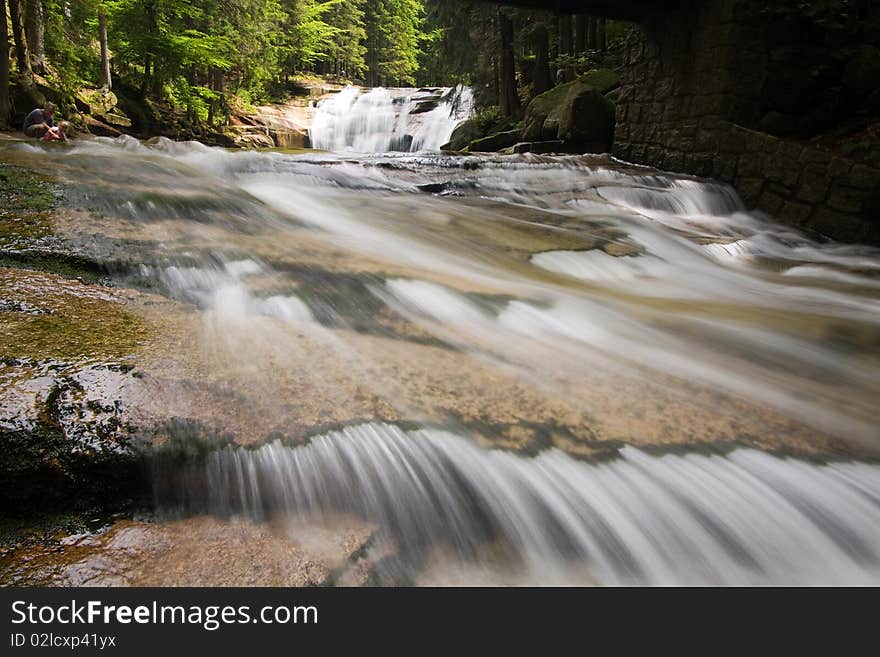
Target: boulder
98, 102
496, 142
116, 118
254, 140
100, 128
292, 138
538, 147
575, 112
219, 139
463, 135
543, 107
602, 80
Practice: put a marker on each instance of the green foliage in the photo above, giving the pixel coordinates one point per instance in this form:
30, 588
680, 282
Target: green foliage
197, 54
208, 56
393, 36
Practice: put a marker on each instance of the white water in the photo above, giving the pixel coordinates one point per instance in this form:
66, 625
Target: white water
740, 518
383, 120
711, 311
223, 293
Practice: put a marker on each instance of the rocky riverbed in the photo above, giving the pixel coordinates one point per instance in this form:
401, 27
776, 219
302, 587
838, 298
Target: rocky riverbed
159, 304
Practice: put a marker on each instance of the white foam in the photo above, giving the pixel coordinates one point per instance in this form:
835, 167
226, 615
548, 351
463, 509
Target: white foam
744, 518
594, 265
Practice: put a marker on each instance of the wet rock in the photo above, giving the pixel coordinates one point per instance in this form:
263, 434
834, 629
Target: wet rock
540, 147
22, 307
430, 188
463, 135
254, 139
402, 144
292, 139
425, 106
495, 142
64, 441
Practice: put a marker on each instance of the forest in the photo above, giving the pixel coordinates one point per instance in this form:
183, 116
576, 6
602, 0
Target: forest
207, 57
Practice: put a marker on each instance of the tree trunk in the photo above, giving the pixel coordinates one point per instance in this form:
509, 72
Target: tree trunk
35, 34
21, 45
543, 79
509, 98
591, 33
146, 79
565, 41
5, 110
106, 80
580, 33
600, 34
565, 45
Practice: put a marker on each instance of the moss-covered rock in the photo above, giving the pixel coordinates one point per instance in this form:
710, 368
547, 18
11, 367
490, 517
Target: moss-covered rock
494, 142
96, 101
542, 108
602, 80
25, 201
65, 352
576, 112
588, 119
463, 135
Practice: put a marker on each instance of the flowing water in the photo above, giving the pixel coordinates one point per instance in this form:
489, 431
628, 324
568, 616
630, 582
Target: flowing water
525, 369
382, 119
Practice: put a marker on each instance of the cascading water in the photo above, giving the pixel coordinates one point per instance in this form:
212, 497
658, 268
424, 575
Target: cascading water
682, 518
383, 120
565, 369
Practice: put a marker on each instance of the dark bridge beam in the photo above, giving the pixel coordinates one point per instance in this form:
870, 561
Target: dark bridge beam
631, 10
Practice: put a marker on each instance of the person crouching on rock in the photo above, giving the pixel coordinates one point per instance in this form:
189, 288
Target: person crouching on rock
39, 121
56, 133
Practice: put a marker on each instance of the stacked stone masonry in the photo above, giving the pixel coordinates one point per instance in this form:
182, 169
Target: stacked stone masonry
692, 82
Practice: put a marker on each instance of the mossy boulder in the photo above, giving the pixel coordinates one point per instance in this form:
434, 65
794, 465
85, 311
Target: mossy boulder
496, 142
463, 135
588, 119
545, 107
576, 112
602, 80
96, 101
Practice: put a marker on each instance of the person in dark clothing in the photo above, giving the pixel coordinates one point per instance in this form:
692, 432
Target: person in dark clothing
39, 121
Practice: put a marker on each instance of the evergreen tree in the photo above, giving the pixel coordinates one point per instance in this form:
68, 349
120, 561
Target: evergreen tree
5, 117
394, 34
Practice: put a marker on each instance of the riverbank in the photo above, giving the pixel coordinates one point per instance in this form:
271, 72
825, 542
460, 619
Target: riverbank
282, 123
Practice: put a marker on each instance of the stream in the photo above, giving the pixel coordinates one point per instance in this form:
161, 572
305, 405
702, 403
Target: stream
513, 369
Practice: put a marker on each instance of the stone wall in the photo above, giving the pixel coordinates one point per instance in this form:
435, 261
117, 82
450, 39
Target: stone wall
697, 89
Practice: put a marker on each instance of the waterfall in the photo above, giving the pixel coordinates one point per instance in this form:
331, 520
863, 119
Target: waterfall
382, 120
692, 518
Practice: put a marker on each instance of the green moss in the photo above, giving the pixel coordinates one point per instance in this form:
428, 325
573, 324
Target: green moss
80, 323
66, 265
602, 80
108, 333
26, 199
